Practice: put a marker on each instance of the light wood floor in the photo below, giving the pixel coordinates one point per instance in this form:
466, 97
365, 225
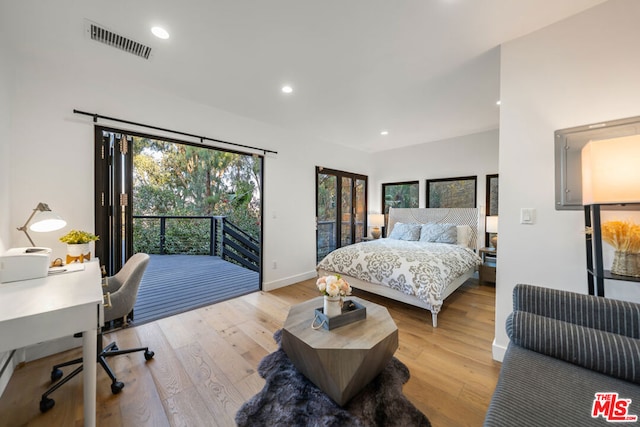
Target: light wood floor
206, 360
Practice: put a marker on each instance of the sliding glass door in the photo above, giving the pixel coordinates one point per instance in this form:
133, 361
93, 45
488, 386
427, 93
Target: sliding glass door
341, 206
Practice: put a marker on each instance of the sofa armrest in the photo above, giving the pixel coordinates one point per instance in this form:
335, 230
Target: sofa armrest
605, 314
605, 352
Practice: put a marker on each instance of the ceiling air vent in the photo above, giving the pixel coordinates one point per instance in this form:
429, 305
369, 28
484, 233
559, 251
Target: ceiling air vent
110, 38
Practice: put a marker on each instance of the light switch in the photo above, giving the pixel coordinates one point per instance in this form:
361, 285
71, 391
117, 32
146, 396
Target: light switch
527, 215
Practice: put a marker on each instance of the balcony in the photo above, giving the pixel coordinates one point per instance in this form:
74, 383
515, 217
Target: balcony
177, 280
173, 284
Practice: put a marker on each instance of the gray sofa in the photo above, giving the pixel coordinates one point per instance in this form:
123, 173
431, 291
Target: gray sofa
565, 348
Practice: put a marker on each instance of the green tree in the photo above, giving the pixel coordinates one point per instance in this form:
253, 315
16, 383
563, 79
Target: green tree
179, 179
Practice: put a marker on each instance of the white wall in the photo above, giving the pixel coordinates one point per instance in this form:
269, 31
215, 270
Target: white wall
475, 154
582, 70
52, 159
5, 220
5, 111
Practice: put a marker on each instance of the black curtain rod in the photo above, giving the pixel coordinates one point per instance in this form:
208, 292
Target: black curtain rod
201, 138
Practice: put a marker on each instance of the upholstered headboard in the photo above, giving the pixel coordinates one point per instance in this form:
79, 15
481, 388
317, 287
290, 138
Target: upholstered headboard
457, 216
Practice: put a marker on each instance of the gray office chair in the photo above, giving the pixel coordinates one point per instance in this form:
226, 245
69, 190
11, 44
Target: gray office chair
121, 291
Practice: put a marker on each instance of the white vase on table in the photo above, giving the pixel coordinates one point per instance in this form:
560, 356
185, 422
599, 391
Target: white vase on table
332, 306
78, 252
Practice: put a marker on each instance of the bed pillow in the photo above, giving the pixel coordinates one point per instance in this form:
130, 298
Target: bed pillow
405, 231
439, 233
464, 235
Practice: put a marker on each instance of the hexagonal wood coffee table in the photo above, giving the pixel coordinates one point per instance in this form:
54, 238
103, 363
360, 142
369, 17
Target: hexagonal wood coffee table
343, 360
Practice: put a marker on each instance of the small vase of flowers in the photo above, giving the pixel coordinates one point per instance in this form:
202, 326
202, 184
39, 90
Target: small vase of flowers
78, 248
333, 288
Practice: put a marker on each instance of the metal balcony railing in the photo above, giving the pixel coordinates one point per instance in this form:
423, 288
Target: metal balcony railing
196, 235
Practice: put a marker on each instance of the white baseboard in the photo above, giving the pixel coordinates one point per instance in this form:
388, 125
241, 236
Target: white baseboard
498, 351
270, 286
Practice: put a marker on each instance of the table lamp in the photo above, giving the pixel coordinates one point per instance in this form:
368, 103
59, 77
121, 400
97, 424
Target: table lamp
492, 227
376, 221
44, 219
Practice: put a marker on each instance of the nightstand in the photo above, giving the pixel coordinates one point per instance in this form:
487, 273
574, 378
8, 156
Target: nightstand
488, 268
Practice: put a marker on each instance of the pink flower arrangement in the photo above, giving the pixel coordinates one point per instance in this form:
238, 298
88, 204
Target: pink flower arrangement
333, 286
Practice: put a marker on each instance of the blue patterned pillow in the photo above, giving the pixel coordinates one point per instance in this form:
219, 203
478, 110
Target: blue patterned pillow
405, 231
439, 233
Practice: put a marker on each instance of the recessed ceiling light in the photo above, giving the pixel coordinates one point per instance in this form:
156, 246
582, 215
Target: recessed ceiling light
160, 33
498, 102
384, 132
287, 89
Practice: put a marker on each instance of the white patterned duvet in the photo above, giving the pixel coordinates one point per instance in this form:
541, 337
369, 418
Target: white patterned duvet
420, 269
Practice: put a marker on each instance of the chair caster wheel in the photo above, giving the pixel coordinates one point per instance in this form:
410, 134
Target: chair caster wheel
56, 374
117, 387
148, 355
46, 404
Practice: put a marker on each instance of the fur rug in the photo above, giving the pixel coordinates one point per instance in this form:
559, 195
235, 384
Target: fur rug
290, 399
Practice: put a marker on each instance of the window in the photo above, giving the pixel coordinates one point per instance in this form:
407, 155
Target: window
452, 192
399, 195
492, 195
492, 201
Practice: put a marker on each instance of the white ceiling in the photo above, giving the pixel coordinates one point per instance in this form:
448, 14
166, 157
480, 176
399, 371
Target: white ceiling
425, 70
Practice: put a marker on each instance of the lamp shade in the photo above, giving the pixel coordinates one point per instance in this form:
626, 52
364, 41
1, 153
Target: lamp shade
610, 171
46, 221
492, 224
376, 220
43, 220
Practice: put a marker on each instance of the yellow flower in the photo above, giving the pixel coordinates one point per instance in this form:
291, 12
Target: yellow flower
624, 236
75, 237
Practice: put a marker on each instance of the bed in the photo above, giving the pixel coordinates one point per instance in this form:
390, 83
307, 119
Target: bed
401, 267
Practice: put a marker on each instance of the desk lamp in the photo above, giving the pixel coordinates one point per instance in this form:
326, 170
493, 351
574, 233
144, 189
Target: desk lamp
43, 220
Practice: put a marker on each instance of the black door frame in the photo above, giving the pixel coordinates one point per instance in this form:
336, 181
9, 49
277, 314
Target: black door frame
113, 210
354, 177
111, 251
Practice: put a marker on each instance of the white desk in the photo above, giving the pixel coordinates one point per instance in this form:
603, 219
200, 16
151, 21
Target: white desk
37, 310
